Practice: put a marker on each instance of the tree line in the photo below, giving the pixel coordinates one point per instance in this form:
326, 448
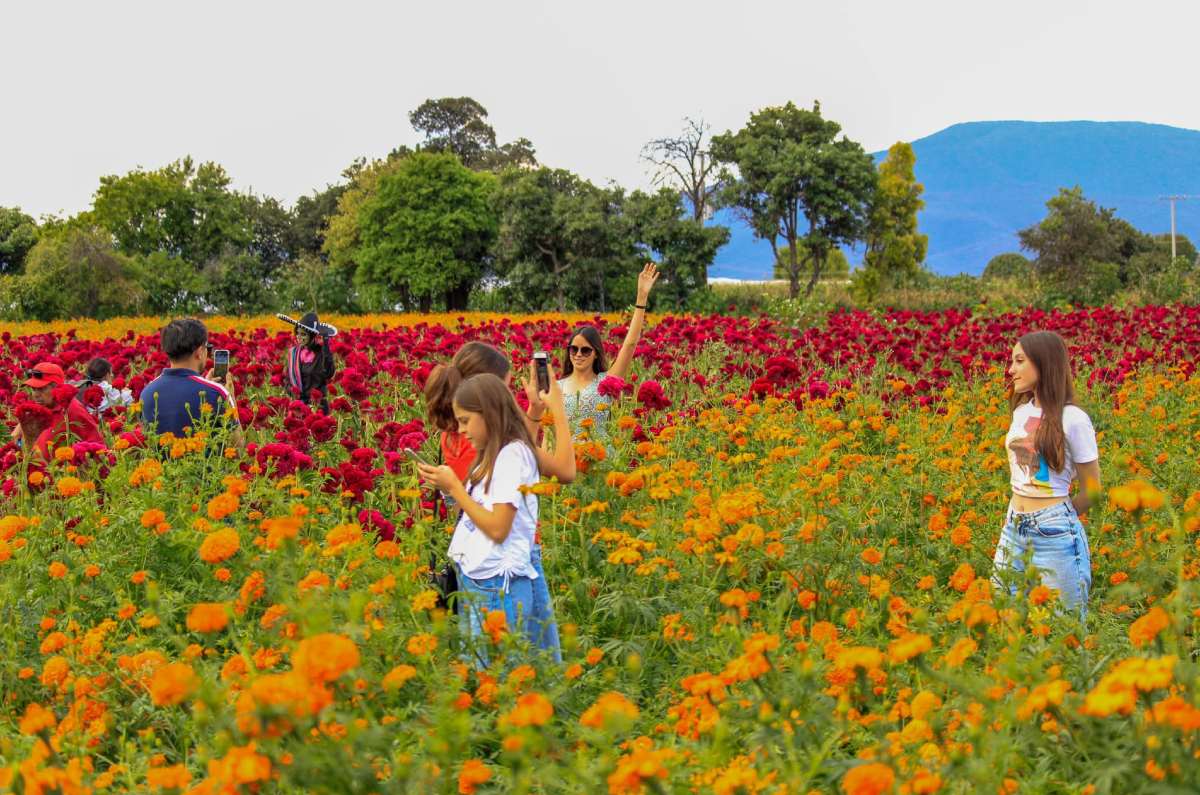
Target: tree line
463, 220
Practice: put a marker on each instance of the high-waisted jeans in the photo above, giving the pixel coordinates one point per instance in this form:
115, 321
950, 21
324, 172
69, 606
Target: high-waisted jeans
1055, 543
477, 598
544, 630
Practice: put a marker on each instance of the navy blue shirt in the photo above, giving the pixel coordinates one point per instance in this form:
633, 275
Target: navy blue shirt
171, 402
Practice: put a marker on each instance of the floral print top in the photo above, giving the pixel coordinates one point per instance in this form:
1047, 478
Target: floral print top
586, 405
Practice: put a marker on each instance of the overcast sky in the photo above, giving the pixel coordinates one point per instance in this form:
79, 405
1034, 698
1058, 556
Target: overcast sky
285, 95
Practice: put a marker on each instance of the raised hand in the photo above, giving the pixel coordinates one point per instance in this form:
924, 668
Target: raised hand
646, 280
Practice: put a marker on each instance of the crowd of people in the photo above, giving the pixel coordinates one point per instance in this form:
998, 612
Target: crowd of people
492, 452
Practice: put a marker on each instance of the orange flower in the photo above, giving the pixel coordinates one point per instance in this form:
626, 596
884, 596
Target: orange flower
421, 644
220, 546
69, 486
37, 718
643, 763
608, 706
396, 677
871, 556
532, 709
962, 578
325, 657
908, 646
594, 656
873, 778
473, 773
152, 517
208, 617
222, 505
495, 625
172, 683
1143, 631
57, 570
173, 777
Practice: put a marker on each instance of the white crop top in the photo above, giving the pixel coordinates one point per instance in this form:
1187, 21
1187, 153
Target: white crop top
1031, 475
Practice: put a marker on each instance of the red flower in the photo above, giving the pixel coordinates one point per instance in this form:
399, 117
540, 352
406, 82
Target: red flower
650, 394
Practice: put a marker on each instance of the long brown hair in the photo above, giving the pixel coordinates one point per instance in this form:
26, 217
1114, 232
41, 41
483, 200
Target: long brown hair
473, 358
1054, 391
589, 333
487, 395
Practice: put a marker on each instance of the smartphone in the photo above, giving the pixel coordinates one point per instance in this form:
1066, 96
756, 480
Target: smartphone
414, 456
220, 363
541, 363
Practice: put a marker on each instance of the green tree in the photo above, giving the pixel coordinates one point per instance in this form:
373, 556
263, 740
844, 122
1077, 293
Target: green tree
182, 209
895, 249
342, 239
796, 180
77, 273
237, 283
834, 266
681, 244
427, 231
1073, 239
310, 217
1010, 265
18, 234
459, 125
169, 285
560, 236
271, 232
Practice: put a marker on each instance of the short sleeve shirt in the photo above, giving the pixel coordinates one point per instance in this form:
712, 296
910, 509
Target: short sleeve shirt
477, 555
1031, 475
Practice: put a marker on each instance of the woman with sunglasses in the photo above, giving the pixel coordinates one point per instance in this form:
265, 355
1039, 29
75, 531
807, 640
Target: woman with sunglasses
584, 362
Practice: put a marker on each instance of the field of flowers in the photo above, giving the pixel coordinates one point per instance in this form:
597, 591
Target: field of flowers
779, 583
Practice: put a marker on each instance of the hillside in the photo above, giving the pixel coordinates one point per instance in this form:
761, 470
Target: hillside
986, 180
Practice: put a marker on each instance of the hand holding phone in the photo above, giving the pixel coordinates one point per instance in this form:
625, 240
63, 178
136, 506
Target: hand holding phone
541, 363
220, 363
415, 457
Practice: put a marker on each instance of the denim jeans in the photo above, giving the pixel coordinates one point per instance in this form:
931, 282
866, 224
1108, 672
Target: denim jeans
1056, 544
479, 597
544, 630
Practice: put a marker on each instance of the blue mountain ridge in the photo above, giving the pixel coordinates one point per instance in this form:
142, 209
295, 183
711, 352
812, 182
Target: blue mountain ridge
986, 180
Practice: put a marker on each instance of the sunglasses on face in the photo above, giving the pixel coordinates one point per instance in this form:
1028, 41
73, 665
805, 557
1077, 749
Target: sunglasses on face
36, 374
580, 350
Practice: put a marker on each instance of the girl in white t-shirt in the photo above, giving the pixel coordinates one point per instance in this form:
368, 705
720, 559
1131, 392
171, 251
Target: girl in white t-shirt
1050, 444
494, 537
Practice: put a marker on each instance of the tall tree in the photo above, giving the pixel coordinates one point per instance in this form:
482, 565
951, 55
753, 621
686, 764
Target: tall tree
18, 234
310, 217
895, 249
182, 209
560, 236
459, 125
427, 231
77, 273
683, 246
342, 239
796, 180
685, 163
1075, 235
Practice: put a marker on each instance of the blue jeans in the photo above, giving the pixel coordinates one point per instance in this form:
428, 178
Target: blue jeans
544, 629
479, 597
1057, 547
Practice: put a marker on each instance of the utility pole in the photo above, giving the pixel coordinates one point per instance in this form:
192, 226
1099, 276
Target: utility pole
1172, 200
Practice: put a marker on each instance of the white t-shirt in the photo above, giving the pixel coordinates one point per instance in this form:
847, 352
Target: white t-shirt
477, 555
1031, 475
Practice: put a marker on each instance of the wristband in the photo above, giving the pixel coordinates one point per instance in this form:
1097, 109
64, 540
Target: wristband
639, 306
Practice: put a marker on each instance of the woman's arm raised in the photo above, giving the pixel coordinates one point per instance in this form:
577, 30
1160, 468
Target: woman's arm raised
646, 280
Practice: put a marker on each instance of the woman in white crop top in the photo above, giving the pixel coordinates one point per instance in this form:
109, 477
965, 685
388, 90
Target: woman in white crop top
1050, 445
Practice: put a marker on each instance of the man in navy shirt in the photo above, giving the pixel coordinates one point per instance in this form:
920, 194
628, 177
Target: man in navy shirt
172, 402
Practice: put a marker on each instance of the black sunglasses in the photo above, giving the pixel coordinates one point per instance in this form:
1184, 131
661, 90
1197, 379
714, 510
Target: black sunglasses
35, 373
580, 350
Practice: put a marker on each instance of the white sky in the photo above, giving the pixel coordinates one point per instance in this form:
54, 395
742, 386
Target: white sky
285, 95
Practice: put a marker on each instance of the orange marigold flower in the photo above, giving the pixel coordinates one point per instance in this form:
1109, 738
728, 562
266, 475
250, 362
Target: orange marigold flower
314, 579
387, 550
208, 617
495, 625
607, 707
908, 646
325, 657
421, 644
873, 778
173, 777
594, 656
962, 578
222, 505
152, 517
37, 718
172, 683
871, 556
960, 651
473, 773
1143, 631
220, 545
57, 570
396, 677
69, 486
532, 709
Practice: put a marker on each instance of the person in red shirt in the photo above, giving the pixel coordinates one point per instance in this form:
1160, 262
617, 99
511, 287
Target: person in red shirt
47, 386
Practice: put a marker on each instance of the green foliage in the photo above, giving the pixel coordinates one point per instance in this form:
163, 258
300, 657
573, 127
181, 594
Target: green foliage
427, 231
183, 210
310, 216
895, 249
834, 266
311, 283
241, 284
561, 237
682, 245
796, 180
18, 234
76, 273
1010, 265
169, 285
341, 233
459, 125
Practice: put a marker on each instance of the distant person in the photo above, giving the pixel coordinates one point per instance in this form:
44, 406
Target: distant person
1051, 446
173, 403
67, 424
310, 362
584, 364
98, 373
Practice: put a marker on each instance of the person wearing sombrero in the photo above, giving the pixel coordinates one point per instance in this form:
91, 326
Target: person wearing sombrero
310, 365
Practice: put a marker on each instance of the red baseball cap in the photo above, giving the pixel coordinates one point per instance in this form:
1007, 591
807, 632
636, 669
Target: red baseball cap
44, 374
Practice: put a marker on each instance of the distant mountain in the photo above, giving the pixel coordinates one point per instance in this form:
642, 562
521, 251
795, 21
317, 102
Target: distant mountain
986, 180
